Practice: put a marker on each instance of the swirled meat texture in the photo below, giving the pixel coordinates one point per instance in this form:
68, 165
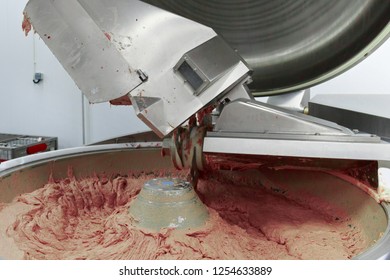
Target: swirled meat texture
89, 219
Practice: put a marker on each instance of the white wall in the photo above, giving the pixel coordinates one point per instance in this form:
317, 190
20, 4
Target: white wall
51, 108
55, 108
105, 121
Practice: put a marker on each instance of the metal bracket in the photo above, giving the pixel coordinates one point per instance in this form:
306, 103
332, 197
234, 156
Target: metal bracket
205, 64
252, 119
143, 77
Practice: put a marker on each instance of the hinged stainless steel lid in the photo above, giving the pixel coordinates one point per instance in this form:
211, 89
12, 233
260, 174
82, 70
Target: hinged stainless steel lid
292, 44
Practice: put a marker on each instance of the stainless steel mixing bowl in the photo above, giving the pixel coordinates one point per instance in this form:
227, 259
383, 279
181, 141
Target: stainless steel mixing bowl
29, 173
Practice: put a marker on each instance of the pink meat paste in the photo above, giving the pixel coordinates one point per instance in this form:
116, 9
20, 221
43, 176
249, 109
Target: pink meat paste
89, 219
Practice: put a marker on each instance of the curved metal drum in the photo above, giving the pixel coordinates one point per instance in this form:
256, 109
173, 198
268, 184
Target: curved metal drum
292, 44
26, 174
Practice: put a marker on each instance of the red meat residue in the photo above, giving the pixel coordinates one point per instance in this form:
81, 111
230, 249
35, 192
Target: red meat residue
89, 219
107, 35
26, 24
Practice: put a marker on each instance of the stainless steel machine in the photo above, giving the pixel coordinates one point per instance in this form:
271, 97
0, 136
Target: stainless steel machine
170, 68
193, 75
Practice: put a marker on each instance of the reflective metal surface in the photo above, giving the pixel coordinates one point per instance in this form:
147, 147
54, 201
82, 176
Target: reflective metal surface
364, 112
252, 144
169, 66
245, 115
296, 101
292, 44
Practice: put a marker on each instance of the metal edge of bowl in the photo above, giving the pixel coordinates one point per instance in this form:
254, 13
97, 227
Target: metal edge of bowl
381, 249
22, 162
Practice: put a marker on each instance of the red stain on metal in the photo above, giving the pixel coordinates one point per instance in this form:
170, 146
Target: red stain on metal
124, 100
107, 35
200, 142
192, 121
188, 146
26, 24
204, 112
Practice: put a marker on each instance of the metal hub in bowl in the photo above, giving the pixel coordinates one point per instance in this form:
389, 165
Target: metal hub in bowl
168, 203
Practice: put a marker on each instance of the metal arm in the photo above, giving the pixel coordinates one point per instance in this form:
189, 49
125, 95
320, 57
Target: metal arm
170, 67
